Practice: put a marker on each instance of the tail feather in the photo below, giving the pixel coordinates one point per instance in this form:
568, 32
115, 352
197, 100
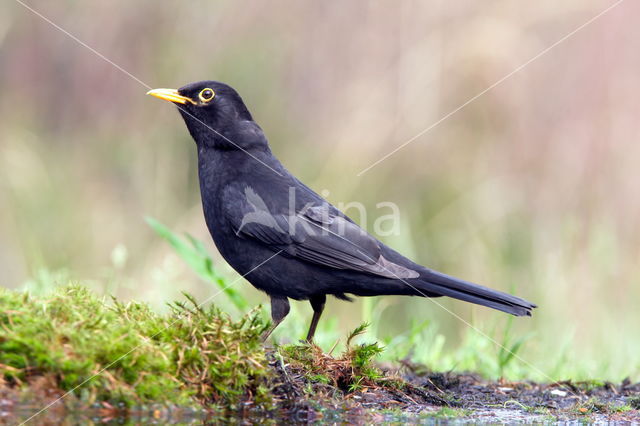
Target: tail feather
445, 285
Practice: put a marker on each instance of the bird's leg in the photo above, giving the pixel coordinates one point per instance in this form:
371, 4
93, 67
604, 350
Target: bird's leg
279, 310
317, 303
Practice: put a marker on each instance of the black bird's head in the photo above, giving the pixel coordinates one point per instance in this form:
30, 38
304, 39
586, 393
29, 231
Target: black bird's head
213, 112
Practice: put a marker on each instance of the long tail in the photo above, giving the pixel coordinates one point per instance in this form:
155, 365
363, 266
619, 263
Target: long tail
434, 282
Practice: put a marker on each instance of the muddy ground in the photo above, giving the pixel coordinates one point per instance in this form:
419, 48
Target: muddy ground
422, 397
468, 397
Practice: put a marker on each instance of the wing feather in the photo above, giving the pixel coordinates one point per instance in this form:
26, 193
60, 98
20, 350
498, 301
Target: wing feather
319, 236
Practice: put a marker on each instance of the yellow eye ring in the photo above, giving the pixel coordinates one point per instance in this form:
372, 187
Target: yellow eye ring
206, 95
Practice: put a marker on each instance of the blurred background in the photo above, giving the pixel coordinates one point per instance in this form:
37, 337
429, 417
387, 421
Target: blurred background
532, 188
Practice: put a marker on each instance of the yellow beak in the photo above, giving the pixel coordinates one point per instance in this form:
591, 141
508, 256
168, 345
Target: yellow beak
170, 95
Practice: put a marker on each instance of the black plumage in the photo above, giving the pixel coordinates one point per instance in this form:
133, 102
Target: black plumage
283, 237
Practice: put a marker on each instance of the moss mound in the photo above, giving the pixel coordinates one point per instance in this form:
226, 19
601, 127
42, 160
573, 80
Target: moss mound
103, 350
89, 349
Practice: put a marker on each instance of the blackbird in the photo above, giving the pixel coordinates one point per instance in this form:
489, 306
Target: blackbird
285, 239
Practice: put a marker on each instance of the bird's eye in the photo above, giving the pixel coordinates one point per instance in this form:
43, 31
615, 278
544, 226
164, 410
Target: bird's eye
206, 95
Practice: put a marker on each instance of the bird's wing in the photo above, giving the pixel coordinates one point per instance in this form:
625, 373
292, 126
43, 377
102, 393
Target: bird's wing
317, 235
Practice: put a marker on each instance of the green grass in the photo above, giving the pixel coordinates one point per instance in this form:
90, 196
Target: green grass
194, 253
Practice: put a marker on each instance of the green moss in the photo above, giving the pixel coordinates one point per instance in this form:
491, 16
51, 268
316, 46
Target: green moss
103, 350
350, 372
319, 378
